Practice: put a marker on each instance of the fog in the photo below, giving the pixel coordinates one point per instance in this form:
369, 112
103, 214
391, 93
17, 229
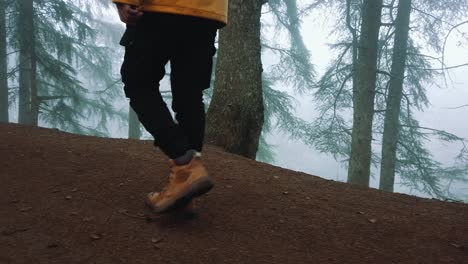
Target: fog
439, 115
450, 93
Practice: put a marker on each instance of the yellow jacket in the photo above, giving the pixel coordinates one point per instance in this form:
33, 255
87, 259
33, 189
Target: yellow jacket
211, 9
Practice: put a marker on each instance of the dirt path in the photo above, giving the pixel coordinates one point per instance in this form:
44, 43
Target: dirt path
73, 199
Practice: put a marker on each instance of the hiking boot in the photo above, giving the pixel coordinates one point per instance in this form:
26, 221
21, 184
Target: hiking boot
185, 183
189, 208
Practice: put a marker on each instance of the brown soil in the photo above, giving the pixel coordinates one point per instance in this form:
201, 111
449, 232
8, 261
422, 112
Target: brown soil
67, 198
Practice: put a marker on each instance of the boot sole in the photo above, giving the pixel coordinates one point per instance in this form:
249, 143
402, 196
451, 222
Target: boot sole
197, 189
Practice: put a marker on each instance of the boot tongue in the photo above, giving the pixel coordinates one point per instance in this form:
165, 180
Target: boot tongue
185, 159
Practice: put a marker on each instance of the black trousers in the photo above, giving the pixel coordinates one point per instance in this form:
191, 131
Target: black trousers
188, 43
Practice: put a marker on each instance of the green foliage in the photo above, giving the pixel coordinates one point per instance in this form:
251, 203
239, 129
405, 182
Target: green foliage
265, 152
332, 128
415, 164
76, 85
293, 68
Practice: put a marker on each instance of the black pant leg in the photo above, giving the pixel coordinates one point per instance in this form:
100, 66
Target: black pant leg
142, 70
191, 70
190, 115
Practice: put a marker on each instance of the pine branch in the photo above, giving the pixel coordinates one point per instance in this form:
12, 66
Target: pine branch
445, 43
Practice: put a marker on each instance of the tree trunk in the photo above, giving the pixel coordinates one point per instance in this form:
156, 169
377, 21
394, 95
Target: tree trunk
294, 26
354, 43
395, 92
34, 114
364, 94
25, 37
134, 131
3, 65
235, 116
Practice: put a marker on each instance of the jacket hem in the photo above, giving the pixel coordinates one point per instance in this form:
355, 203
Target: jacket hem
186, 11
129, 2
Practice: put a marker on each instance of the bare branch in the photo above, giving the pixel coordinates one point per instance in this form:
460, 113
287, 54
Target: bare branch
441, 69
446, 39
385, 73
458, 107
430, 15
47, 98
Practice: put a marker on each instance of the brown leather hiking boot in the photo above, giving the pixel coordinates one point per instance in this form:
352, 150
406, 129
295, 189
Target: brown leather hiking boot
185, 183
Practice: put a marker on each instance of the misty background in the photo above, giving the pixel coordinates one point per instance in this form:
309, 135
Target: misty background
447, 110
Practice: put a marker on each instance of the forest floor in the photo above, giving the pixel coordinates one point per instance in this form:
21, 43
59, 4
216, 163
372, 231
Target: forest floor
67, 198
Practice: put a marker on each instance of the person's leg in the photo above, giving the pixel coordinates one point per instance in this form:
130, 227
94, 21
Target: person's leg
191, 69
190, 114
142, 70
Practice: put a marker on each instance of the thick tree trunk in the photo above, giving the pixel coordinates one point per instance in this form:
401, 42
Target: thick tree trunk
134, 131
3, 65
25, 37
364, 94
235, 116
395, 92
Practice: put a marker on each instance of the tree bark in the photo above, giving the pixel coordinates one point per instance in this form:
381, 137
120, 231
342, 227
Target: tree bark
3, 65
25, 38
134, 131
364, 94
235, 116
354, 44
395, 93
34, 114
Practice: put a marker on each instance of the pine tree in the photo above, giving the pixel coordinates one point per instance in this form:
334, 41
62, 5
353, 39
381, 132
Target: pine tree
26, 60
415, 165
294, 69
235, 116
3, 64
134, 127
364, 94
394, 97
61, 55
